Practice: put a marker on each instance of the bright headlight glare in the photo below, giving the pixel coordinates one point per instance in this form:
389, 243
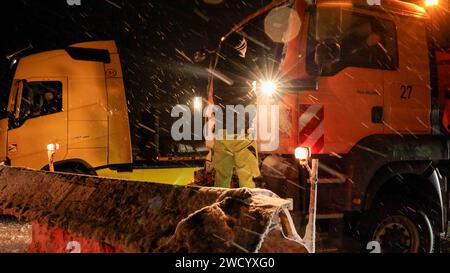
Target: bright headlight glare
429, 3
198, 103
268, 87
52, 147
302, 153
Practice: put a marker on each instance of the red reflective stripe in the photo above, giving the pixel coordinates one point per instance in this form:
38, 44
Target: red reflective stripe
318, 146
309, 135
311, 126
309, 129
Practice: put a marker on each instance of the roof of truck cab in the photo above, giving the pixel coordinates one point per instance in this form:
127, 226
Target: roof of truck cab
27, 65
385, 6
108, 45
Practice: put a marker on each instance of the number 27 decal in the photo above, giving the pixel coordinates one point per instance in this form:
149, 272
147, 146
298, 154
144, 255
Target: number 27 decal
406, 92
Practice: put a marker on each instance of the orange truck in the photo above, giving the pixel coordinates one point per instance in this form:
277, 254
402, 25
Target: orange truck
365, 88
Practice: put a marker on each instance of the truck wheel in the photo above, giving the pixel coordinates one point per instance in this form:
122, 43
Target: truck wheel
401, 228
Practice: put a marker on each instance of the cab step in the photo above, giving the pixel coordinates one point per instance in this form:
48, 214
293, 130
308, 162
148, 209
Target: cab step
332, 180
329, 216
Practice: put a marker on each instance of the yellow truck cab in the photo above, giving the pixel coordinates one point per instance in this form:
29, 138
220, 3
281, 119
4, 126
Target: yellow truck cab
73, 97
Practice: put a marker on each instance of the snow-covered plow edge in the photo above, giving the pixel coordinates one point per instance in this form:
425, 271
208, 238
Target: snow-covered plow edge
97, 214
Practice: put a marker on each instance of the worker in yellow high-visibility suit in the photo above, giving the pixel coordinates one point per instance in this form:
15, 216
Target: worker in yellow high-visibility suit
235, 153
234, 149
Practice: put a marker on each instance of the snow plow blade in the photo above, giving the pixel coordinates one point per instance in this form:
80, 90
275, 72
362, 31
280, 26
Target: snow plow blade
97, 214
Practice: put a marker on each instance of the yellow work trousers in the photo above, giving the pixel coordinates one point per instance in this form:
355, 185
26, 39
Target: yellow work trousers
235, 153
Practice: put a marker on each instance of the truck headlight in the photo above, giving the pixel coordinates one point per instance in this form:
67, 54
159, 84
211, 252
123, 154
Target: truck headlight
302, 154
198, 103
268, 88
429, 3
52, 147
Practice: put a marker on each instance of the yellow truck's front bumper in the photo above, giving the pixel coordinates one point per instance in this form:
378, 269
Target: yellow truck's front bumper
172, 176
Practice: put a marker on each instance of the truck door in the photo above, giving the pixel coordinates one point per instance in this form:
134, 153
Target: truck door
3, 138
40, 119
408, 89
4, 122
349, 104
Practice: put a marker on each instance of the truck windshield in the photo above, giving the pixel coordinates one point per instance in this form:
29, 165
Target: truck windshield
364, 41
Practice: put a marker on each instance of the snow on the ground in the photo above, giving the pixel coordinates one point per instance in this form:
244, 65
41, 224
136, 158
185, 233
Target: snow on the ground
15, 236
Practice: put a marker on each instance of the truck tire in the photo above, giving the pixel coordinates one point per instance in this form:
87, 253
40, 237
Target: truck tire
401, 227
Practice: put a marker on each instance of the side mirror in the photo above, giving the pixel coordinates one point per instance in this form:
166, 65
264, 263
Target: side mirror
12, 63
14, 58
14, 123
328, 52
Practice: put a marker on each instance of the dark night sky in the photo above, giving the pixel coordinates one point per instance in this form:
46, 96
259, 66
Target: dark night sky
150, 34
